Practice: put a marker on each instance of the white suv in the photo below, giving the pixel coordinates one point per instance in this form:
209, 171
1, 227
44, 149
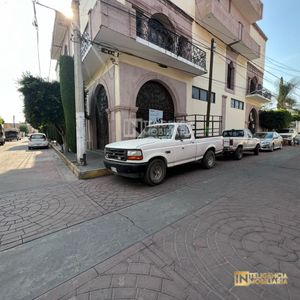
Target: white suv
288, 135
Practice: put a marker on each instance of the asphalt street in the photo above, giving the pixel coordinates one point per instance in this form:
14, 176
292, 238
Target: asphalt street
116, 238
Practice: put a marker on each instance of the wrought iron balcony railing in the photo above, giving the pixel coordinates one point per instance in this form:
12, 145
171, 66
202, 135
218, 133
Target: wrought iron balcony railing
85, 43
261, 91
155, 32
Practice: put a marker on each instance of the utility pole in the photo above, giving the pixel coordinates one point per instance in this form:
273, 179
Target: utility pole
79, 97
212, 48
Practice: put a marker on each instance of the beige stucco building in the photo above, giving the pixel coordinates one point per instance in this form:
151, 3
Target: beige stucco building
142, 55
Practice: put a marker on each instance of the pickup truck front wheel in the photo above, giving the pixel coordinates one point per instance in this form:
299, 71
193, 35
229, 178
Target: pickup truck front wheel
156, 172
209, 159
256, 150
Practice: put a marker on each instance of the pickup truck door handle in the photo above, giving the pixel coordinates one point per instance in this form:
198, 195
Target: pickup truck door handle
168, 152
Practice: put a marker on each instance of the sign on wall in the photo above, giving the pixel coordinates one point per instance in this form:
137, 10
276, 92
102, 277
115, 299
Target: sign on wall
155, 116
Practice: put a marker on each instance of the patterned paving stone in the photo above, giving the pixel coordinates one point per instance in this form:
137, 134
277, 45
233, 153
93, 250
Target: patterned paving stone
137, 276
239, 238
25, 216
113, 193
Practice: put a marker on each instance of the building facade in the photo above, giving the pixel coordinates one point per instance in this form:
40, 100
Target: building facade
149, 58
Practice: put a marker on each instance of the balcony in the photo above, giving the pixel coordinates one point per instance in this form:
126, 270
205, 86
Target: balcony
250, 9
120, 27
247, 46
260, 95
213, 16
155, 35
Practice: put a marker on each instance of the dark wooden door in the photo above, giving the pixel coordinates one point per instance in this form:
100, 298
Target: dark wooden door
101, 118
153, 95
252, 121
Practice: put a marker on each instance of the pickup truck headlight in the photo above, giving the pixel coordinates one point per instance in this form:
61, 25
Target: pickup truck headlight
134, 155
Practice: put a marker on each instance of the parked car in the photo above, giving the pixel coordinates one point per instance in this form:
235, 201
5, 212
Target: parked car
38, 140
159, 147
297, 139
269, 140
2, 136
288, 135
2, 140
237, 141
12, 134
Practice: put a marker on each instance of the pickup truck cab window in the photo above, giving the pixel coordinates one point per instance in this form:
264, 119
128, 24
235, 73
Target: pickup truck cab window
183, 133
233, 133
158, 132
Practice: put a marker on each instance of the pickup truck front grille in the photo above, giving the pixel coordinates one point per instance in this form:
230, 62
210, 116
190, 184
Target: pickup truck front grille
119, 154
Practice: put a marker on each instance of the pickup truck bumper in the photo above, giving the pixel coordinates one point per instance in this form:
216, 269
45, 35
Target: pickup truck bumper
228, 150
126, 169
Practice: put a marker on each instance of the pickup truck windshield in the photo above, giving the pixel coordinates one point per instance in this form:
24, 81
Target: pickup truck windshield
286, 130
158, 132
233, 133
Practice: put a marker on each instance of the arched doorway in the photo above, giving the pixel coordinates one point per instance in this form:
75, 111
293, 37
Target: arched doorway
101, 105
252, 121
153, 95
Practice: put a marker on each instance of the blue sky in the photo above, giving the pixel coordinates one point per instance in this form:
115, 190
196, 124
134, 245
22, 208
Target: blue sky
18, 50
281, 24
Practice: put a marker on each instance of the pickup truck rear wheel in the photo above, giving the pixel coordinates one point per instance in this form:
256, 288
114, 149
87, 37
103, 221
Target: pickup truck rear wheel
238, 154
209, 159
156, 172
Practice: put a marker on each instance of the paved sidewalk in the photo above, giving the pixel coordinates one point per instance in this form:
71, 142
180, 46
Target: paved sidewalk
94, 167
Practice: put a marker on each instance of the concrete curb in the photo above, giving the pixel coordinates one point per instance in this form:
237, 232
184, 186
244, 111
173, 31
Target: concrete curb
93, 173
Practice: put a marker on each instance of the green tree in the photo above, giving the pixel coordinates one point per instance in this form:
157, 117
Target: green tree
296, 115
1, 121
285, 99
67, 91
275, 119
24, 128
42, 103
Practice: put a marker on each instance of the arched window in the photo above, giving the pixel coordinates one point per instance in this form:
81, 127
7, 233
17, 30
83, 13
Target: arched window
230, 76
253, 85
159, 34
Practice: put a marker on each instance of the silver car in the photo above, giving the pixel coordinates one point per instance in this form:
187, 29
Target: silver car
38, 140
269, 140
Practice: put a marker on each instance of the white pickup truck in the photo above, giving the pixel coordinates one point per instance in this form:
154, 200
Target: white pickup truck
237, 141
159, 147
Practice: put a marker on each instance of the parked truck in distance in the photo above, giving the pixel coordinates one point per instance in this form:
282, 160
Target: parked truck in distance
237, 141
2, 136
158, 147
12, 134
